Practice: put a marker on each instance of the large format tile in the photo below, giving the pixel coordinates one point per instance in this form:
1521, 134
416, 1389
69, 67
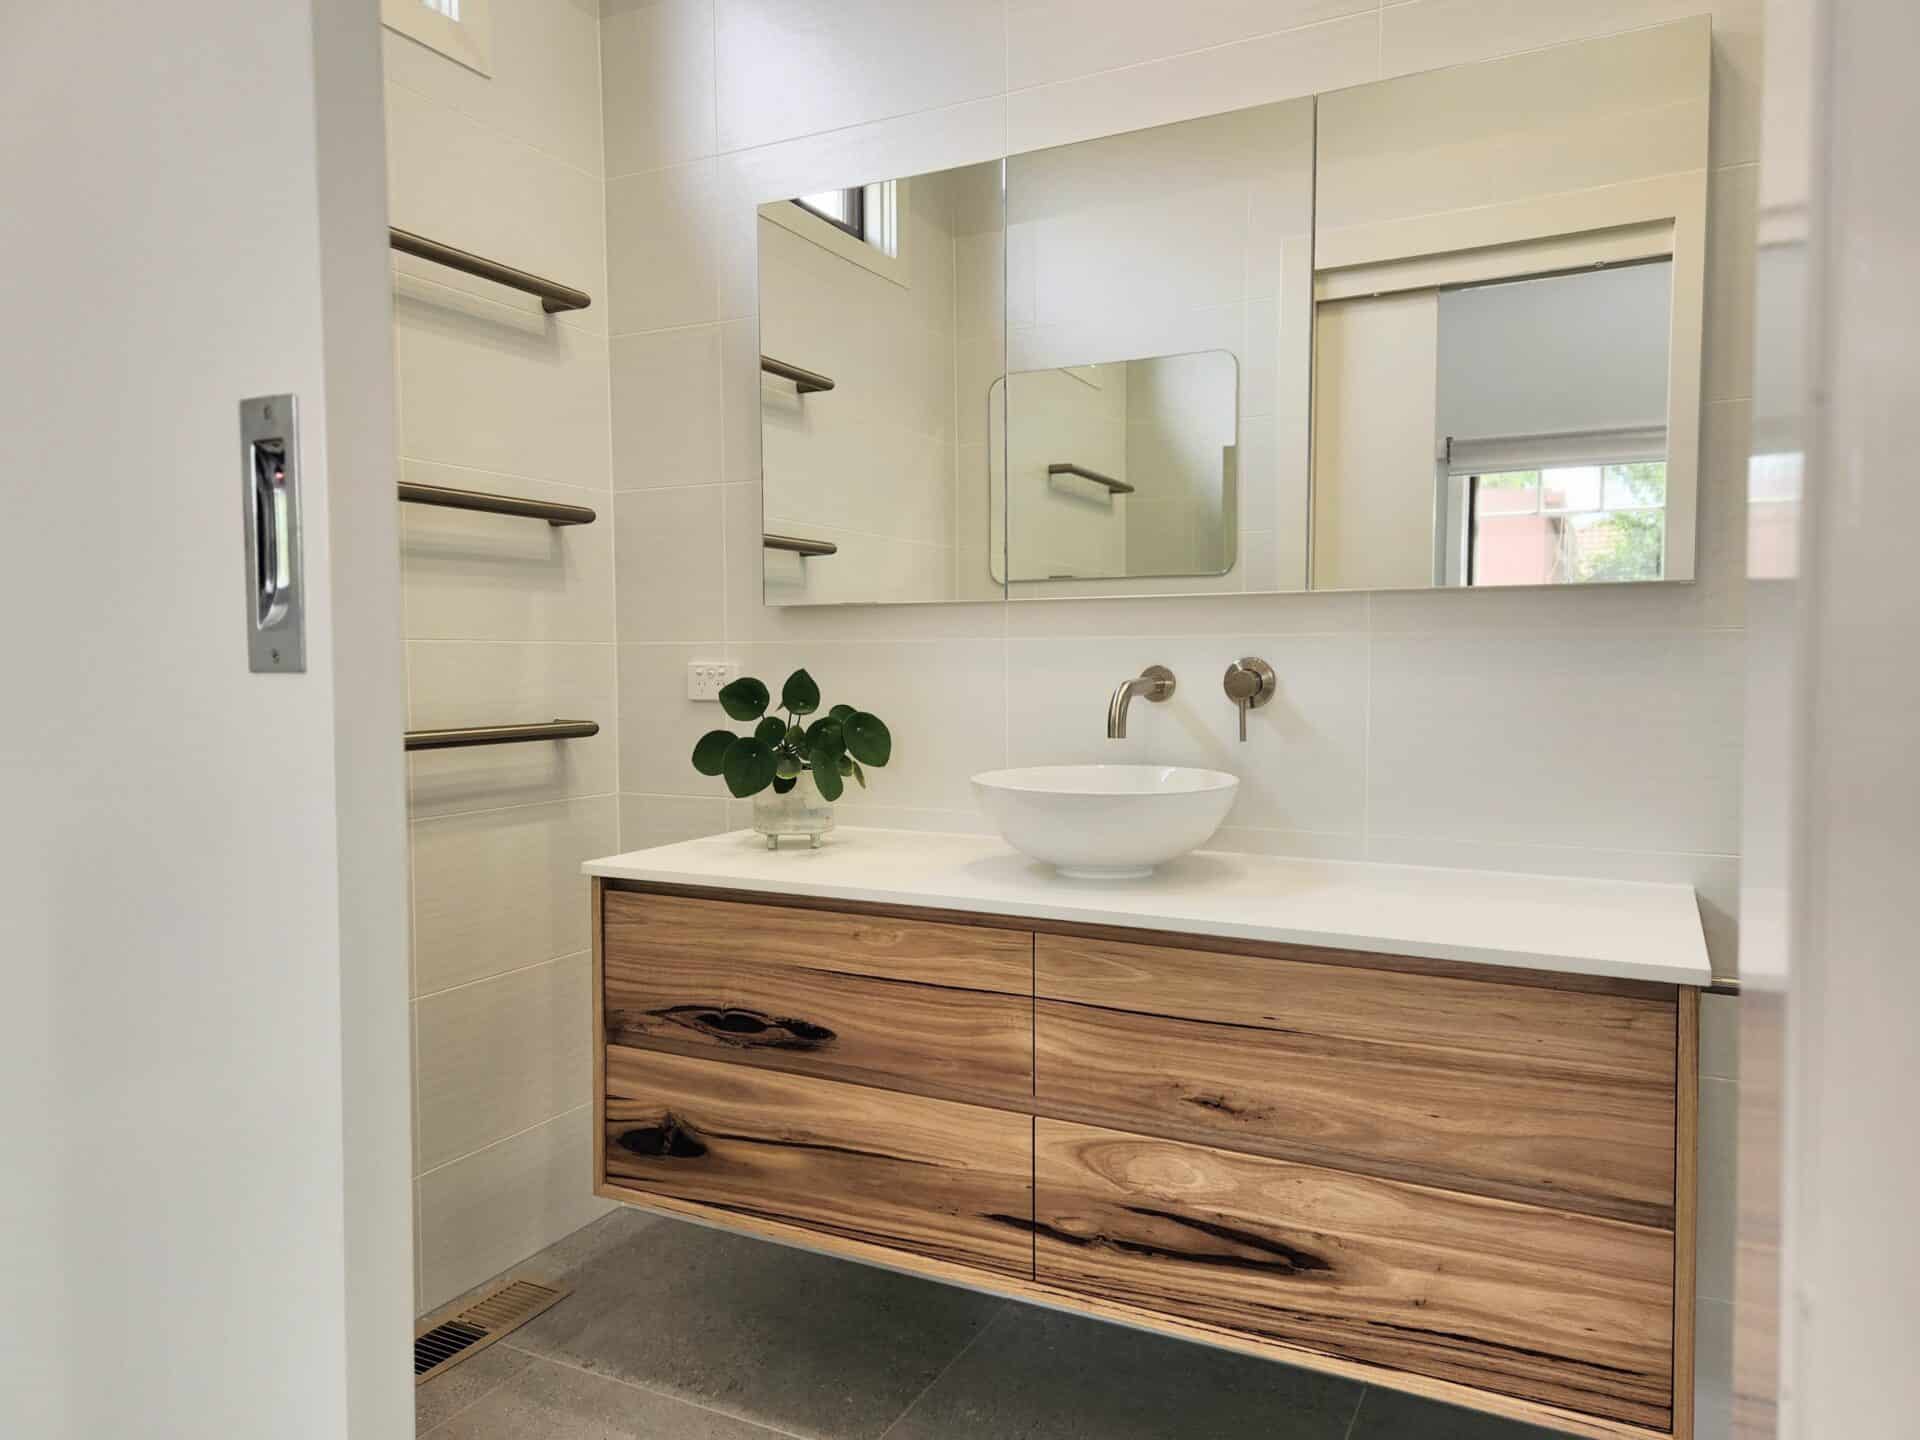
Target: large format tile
656, 68
1041, 1375
457, 181
863, 60
502, 1055
662, 265
491, 387
1390, 1415
499, 890
659, 725
1625, 740
669, 551
649, 820
545, 1401
494, 1208
454, 683
544, 89
666, 408
805, 1344
454, 1389
470, 575
1050, 40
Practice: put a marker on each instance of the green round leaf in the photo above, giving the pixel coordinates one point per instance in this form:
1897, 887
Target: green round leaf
770, 731
825, 735
840, 712
858, 773
787, 765
710, 751
800, 694
784, 784
744, 699
748, 768
868, 738
846, 765
829, 781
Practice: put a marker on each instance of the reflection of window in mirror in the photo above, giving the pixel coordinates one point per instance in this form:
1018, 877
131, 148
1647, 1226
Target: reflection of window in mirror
1567, 526
866, 212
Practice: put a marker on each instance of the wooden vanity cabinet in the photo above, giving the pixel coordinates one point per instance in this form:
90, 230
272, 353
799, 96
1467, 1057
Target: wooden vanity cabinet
1471, 1183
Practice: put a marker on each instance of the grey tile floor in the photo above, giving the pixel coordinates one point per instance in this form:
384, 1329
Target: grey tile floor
675, 1332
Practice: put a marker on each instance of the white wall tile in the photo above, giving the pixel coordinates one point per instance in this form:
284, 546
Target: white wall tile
544, 89
659, 725
668, 548
460, 682
502, 1055
663, 228
492, 387
656, 59
1727, 348
1192, 615
1049, 40
490, 1210
1204, 82
1610, 739
1719, 1180
649, 820
740, 402
1713, 1370
498, 890
666, 408
1427, 34
452, 179
468, 575
1720, 1036
794, 67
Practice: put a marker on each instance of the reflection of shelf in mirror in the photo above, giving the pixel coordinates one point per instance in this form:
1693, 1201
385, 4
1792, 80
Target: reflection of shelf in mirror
799, 546
805, 381
1118, 487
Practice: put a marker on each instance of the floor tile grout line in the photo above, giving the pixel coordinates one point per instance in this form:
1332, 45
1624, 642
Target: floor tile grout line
945, 1370
662, 1394
448, 1419
1354, 1419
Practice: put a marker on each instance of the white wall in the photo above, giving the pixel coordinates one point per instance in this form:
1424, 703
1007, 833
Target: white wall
509, 619
202, 1224
1594, 733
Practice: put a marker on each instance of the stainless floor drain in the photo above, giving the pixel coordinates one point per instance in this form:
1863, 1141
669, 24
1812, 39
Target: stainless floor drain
480, 1324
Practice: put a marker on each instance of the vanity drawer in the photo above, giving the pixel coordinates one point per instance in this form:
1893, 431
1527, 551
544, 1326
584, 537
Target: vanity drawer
1549, 1096
935, 1178
1564, 1309
926, 1006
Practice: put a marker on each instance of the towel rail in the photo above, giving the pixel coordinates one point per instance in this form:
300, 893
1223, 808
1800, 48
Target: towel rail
805, 381
1067, 467
799, 546
500, 734
551, 511
553, 295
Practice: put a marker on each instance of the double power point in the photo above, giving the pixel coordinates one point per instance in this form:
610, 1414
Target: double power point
707, 678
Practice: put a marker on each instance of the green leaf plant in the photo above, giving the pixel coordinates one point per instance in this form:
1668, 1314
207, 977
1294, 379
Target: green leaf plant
835, 748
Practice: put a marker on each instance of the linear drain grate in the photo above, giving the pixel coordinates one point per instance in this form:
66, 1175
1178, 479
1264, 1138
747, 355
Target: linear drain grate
480, 1324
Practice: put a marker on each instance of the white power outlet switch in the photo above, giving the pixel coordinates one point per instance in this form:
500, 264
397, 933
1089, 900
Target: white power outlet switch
707, 678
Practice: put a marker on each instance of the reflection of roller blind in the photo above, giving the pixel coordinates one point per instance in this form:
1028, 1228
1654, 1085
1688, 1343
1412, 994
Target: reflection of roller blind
1491, 454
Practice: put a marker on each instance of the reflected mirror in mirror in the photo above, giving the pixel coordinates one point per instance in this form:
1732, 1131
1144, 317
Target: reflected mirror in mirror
1121, 469
880, 339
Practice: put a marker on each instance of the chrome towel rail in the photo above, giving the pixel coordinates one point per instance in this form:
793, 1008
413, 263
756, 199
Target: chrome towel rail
1064, 467
553, 295
500, 734
805, 381
799, 546
550, 511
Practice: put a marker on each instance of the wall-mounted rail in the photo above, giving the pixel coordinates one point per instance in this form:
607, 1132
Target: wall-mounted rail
805, 381
799, 546
500, 734
1067, 467
553, 295
550, 511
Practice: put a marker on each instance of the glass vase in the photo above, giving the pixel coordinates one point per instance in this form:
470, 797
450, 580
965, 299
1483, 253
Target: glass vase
802, 811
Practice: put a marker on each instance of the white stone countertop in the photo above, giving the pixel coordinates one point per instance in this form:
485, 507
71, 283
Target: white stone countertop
1629, 930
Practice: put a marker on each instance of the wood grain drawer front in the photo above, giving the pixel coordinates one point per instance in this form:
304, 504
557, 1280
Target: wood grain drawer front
1545, 1096
948, 1181
1564, 1309
721, 980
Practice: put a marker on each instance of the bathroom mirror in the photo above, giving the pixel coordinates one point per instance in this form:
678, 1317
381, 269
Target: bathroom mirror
1442, 330
1121, 469
1508, 272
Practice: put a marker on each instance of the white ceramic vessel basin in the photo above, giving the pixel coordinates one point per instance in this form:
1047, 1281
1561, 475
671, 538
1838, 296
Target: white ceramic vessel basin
1105, 822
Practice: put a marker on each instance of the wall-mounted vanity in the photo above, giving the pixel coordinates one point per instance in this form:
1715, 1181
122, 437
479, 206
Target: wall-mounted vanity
1430, 1128
1439, 331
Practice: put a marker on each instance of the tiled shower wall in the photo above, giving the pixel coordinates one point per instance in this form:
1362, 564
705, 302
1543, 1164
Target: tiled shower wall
1586, 733
505, 619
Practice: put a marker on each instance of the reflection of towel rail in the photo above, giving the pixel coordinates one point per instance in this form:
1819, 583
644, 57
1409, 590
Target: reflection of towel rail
1065, 467
798, 546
